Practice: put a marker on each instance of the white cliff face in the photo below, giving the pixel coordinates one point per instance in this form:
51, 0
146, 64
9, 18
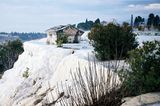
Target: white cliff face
47, 66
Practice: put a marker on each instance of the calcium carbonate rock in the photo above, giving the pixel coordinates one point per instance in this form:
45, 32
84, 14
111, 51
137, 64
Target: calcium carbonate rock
39, 71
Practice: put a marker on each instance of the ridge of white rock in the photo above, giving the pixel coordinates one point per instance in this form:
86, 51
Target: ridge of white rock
148, 99
44, 63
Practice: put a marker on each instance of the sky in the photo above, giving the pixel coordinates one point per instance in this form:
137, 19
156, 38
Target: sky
39, 15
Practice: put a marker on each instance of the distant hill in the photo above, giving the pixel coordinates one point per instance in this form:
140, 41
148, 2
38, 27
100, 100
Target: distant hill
22, 36
7, 38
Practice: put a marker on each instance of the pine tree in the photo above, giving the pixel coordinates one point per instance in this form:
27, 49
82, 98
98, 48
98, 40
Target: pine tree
156, 21
150, 21
112, 41
97, 21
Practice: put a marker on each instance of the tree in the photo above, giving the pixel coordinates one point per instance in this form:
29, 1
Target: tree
150, 20
97, 21
151, 15
87, 25
9, 53
156, 21
112, 41
138, 20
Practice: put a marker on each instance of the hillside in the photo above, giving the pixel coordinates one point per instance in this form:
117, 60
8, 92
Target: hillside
22, 36
41, 67
45, 64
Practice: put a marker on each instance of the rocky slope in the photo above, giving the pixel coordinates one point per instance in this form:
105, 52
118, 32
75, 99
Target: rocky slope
38, 71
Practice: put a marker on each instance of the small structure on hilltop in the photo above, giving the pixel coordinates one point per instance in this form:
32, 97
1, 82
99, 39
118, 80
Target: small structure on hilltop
72, 34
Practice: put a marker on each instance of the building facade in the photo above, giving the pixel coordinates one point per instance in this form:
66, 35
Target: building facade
72, 33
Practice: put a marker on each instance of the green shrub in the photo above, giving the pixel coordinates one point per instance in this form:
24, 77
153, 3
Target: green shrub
97, 87
140, 28
144, 75
61, 38
64, 39
59, 43
112, 41
26, 73
9, 52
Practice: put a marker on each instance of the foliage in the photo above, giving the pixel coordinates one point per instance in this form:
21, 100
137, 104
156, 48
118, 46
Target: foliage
9, 53
156, 21
26, 73
150, 20
97, 87
140, 28
153, 21
61, 38
138, 20
112, 41
59, 43
87, 25
97, 21
144, 75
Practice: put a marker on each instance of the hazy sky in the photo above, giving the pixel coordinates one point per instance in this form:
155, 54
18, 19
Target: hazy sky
39, 15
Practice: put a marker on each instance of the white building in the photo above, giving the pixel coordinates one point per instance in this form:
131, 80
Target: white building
73, 34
